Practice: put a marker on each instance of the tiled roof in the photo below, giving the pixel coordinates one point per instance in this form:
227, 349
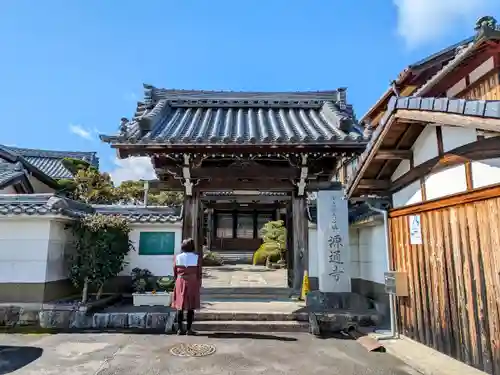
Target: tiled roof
41, 204
208, 117
476, 108
50, 162
45, 204
138, 214
10, 172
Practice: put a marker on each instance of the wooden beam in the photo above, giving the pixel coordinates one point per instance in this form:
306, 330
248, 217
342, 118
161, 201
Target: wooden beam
393, 154
371, 154
464, 121
476, 195
259, 172
229, 184
485, 149
374, 184
439, 138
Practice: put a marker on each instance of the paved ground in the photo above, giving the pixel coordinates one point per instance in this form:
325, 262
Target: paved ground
243, 276
106, 354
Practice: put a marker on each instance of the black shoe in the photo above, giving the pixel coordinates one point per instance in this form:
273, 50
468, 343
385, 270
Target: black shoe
190, 332
180, 332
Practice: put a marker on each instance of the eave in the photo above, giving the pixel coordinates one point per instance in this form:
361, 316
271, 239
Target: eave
400, 128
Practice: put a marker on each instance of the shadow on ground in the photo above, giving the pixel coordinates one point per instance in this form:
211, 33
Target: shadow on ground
12, 358
242, 335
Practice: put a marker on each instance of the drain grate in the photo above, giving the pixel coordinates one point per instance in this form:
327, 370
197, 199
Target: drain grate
192, 350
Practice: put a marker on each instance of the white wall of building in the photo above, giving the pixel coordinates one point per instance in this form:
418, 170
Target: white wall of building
368, 253
313, 250
8, 190
40, 187
35, 249
450, 180
159, 265
24, 244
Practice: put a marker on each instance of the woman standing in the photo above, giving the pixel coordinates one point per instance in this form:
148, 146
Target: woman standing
187, 273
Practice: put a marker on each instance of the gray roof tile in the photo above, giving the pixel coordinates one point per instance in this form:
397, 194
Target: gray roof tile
208, 117
50, 162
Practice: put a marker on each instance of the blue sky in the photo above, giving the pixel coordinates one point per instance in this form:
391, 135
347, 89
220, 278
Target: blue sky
70, 69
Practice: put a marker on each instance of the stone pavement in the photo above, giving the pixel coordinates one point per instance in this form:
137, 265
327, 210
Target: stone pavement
426, 360
106, 354
238, 276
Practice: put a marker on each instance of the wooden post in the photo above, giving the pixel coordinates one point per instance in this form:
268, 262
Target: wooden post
300, 251
191, 219
210, 227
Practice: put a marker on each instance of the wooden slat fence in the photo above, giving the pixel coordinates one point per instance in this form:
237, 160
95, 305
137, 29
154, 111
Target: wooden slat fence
454, 279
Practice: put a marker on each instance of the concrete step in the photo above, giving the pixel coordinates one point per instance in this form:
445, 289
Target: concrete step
250, 326
213, 315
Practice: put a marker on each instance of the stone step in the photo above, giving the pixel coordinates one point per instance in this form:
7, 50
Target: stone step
250, 326
236, 257
208, 315
251, 291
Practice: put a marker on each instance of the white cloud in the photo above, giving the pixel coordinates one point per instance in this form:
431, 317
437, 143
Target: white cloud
132, 169
424, 21
81, 131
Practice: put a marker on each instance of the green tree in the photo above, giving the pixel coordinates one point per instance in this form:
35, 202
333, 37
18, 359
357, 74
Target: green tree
93, 187
101, 242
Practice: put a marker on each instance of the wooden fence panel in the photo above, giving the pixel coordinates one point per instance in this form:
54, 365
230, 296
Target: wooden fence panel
454, 281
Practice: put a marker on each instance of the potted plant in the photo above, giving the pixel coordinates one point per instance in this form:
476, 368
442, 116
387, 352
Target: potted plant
150, 290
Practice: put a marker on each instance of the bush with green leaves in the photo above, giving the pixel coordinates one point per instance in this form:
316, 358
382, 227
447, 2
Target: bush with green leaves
211, 259
143, 281
102, 243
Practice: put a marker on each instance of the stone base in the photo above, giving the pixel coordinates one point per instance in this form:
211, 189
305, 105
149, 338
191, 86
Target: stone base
77, 320
334, 312
316, 300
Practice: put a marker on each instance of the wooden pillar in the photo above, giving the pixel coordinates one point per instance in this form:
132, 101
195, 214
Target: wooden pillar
300, 245
192, 219
210, 227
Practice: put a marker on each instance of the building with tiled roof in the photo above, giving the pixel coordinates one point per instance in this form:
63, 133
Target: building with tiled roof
28, 171
50, 161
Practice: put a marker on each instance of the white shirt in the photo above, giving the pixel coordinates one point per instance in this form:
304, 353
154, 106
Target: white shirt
186, 259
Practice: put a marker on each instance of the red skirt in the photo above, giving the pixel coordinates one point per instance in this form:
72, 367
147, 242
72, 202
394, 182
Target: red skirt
187, 289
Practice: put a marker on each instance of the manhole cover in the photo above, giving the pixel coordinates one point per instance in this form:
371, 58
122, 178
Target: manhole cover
192, 350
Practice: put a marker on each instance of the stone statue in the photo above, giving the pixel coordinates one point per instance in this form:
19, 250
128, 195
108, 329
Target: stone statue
487, 22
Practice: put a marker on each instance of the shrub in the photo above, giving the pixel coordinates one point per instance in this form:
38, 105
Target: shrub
101, 242
211, 258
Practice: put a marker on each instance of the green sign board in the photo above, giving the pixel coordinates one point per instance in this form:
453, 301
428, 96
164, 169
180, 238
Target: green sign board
156, 243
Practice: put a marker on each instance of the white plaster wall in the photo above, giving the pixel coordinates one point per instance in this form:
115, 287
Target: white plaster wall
24, 244
39, 186
456, 88
354, 247
403, 167
370, 259
60, 247
481, 70
454, 136
409, 195
447, 182
8, 190
485, 172
313, 251
425, 147
159, 265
